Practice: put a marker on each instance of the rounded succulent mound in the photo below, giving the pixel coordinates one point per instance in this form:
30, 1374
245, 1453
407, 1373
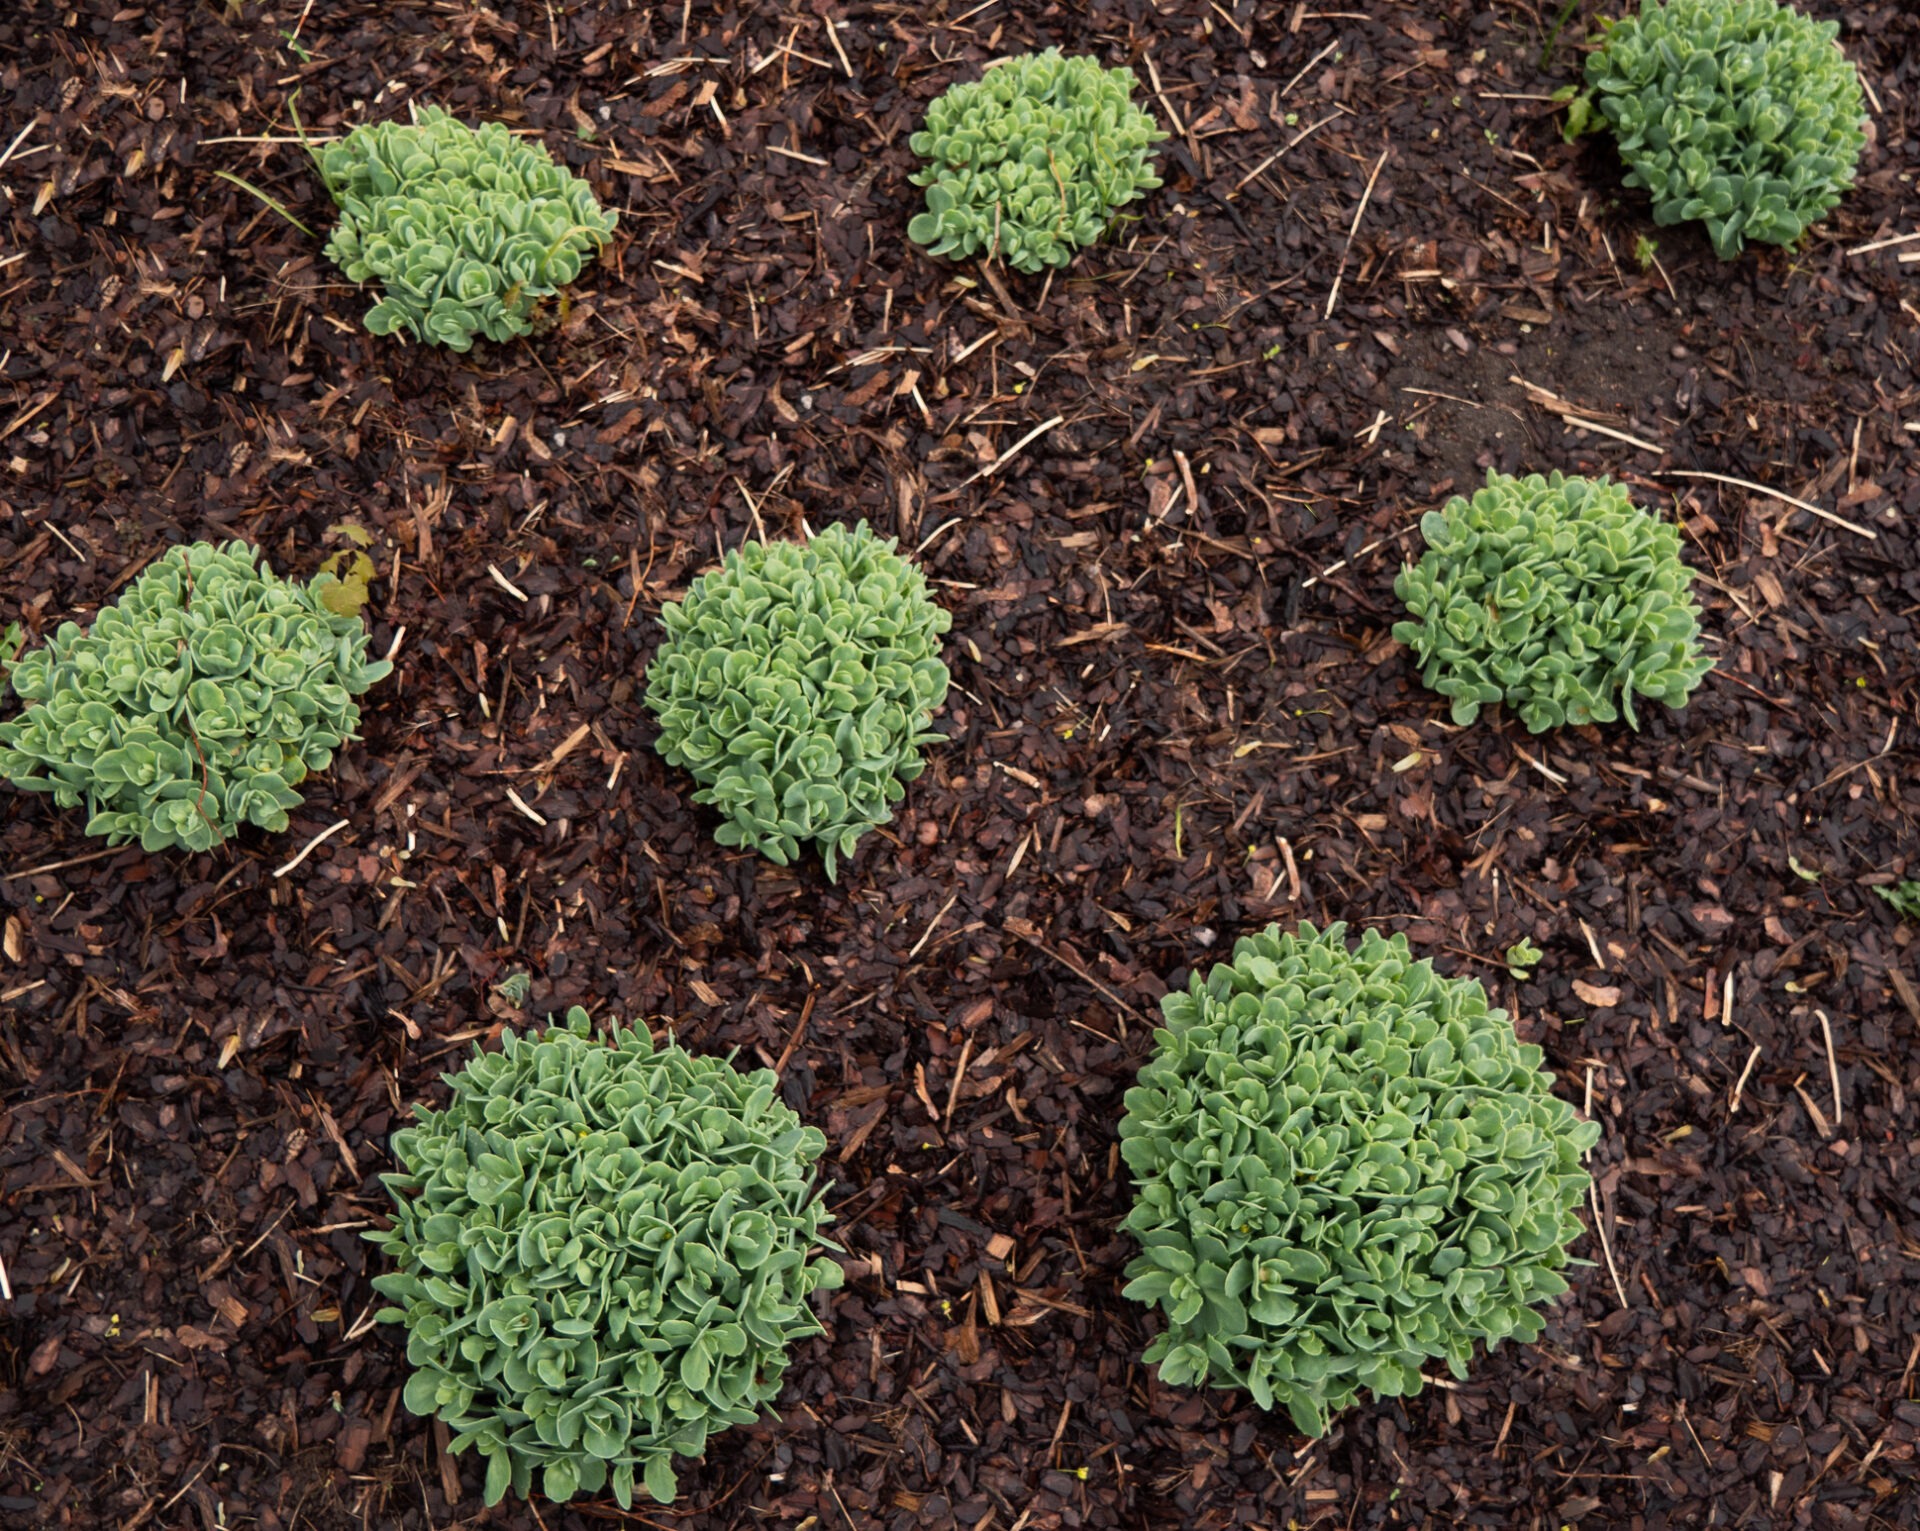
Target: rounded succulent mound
1346, 1166
1744, 113
1556, 596
467, 229
603, 1256
1032, 160
796, 684
195, 704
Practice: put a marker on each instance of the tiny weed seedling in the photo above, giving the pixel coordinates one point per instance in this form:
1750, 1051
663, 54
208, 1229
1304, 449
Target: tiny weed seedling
1903, 898
1522, 958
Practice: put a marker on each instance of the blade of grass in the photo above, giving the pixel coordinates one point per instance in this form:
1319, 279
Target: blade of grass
1553, 37
272, 202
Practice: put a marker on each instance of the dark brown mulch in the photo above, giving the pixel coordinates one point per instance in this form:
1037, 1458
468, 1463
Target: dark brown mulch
1178, 715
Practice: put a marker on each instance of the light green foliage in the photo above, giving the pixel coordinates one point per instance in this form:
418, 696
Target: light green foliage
1744, 113
796, 684
467, 229
194, 705
1031, 161
1346, 1166
1558, 596
1522, 958
1904, 898
603, 1256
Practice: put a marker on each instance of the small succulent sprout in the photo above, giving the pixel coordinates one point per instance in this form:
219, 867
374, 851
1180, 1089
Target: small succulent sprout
197, 703
1559, 597
1031, 161
796, 684
602, 1253
1346, 1166
466, 229
1522, 958
1903, 898
1745, 114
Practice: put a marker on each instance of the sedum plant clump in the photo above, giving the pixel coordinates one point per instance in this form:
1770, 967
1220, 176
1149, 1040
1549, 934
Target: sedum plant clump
1557, 596
1032, 160
1743, 113
194, 705
603, 1255
467, 229
796, 684
1346, 1166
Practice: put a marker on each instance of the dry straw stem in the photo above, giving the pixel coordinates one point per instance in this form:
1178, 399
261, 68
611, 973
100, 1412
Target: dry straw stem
1007, 456
1740, 1084
311, 846
1883, 244
1574, 416
1833, 1066
1798, 504
1240, 185
1606, 1244
1359, 212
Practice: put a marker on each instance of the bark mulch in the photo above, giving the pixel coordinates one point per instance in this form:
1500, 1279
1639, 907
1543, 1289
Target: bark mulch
1178, 715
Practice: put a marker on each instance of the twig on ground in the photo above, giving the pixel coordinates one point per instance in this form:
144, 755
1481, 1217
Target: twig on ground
1798, 504
1359, 212
311, 845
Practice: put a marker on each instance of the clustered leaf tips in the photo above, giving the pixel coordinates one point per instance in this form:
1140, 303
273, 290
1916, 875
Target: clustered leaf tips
1557, 596
796, 684
1346, 1166
194, 705
602, 1256
466, 229
1031, 161
1743, 113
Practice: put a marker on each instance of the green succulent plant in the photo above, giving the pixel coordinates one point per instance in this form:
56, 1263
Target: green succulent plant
1031, 161
194, 705
603, 1255
1346, 1166
466, 229
1743, 113
796, 684
1558, 596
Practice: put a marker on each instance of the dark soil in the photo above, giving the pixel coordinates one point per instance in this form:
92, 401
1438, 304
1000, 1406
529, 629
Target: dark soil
1178, 715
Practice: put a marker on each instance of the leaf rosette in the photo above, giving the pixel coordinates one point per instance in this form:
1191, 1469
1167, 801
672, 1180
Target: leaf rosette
1031, 161
466, 229
1745, 114
796, 684
1346, 1166
194, 705
602, 1256
1559, 597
